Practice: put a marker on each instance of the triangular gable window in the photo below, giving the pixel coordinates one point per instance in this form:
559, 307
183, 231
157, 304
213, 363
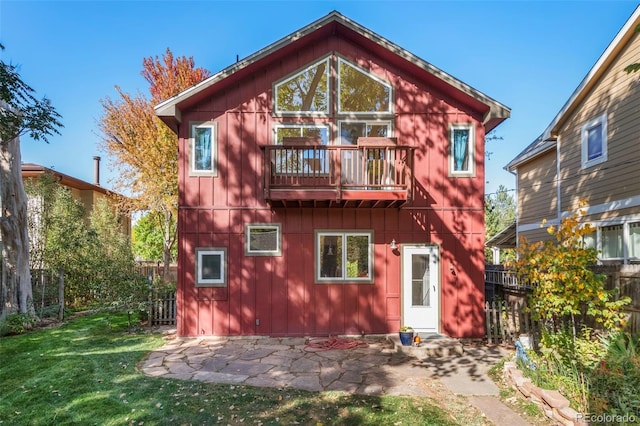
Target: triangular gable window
306, 91
361, 92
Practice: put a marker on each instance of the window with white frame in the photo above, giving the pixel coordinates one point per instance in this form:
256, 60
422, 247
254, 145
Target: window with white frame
344, 256
305, 92
309, 161
262, 239
612, 239
360, 92
202, 152
634, 240
593, 137
461, 150
211, 269
351, 130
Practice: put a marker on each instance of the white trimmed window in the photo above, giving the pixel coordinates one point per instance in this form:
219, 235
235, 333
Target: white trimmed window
202, 149
211, 270
304, 92
360, 92
298, 160
461, 150
344, 256
263, 239
350, 130
634, 240
612, 238
593, 137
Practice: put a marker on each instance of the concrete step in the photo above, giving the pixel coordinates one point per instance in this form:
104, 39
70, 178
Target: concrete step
431, 345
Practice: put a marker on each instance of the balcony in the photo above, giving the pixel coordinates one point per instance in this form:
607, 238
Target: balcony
375, 173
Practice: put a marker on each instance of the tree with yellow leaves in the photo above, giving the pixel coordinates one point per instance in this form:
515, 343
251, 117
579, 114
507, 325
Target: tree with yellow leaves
566, 290
143, 149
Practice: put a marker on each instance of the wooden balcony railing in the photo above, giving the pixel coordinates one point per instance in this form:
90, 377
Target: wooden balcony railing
374, 173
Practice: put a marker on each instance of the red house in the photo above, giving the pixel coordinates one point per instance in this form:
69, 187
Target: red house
331, 183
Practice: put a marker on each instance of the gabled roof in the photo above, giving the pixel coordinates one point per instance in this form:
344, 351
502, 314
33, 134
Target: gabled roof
334, 23
35, 170
505, 238
550, 134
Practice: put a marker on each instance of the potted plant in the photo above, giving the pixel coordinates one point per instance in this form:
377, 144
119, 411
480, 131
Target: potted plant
406, 335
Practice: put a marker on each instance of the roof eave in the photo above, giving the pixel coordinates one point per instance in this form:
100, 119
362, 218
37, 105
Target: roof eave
592, 77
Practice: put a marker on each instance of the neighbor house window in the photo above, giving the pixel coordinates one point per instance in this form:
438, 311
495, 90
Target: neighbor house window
344, 256
594, 141
202, 153
305, 92
634, 240
461, 150
360, 92
262, 239
211, 269
612, 241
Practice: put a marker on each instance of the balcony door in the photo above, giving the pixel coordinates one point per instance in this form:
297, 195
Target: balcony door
421, 287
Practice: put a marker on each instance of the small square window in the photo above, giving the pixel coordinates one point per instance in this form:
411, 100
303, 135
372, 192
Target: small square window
262, 239
202, 151
211, 269
594, 141
461, 150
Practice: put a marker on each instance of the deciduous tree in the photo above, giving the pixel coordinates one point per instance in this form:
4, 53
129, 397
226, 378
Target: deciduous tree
566, 290
144, 150
20, 113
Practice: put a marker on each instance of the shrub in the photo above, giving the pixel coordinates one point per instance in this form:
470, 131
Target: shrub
17, 324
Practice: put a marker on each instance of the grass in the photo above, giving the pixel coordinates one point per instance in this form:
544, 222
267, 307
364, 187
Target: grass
84, 372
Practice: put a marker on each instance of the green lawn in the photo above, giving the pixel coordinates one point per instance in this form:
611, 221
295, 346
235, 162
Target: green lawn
84, 373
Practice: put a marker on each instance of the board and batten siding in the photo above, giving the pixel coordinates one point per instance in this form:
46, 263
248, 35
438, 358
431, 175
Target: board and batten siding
278, 295
618, 95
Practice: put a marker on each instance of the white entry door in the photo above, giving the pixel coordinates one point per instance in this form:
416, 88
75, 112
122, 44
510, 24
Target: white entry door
421, 287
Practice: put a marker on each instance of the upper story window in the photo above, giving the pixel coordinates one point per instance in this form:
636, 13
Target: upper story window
461, 151
305, 92
593, 136
360, 92
350, 130
308, 92
202, 150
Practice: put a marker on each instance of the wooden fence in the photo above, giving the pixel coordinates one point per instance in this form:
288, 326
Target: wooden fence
162, 307
505, 321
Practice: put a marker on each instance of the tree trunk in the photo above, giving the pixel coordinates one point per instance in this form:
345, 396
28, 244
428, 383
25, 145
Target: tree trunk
14, 234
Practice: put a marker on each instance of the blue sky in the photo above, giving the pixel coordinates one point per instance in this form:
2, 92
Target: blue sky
529, 56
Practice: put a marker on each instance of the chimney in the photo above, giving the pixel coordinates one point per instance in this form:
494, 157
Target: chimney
96, 170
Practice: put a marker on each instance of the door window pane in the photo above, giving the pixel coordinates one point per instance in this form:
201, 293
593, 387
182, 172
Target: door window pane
420, 285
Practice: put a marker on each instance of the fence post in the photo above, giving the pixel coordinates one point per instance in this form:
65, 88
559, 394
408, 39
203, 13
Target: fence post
150, 302
61, 294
